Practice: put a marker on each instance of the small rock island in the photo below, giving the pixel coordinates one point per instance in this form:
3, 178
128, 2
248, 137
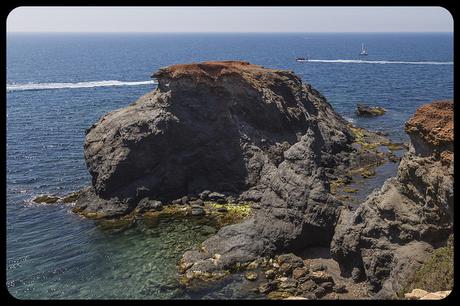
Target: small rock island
263, 143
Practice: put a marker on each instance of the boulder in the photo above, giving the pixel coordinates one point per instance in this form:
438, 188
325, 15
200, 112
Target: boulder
369, 111
148, 205
251, 276
47, 199
215, 196
197, 210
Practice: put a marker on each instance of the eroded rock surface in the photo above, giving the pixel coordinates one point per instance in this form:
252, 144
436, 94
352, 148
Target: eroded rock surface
228, 127
391, 234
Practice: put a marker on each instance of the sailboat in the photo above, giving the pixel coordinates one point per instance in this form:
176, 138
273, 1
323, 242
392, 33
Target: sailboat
363, 50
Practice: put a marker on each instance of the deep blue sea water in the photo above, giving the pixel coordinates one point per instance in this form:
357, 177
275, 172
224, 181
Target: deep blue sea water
59, 84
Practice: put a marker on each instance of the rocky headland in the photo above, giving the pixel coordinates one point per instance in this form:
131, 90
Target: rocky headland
396, 229
267, 156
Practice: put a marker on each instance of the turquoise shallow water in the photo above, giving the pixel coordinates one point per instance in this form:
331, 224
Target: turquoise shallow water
58, 85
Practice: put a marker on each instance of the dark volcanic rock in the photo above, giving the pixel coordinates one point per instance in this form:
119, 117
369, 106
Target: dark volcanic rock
197, 211
369, 111
394, 231
296, 208
146, 205
233, 128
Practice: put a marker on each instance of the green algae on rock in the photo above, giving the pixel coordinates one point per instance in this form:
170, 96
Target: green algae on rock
437, 273
47, 199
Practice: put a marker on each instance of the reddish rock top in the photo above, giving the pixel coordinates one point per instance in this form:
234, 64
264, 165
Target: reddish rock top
213, 70
434, 122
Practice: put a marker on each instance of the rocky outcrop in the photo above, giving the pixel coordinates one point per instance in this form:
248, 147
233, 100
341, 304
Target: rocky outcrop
215, 125
369, 111
391, 234
230, 127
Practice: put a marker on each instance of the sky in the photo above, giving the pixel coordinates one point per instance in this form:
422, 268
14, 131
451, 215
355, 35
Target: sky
229, 19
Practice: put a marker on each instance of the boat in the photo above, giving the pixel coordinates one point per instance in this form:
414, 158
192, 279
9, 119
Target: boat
302, 59
363, 50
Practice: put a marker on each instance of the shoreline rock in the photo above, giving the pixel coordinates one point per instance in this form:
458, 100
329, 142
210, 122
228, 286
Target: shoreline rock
216, 135
369, 111
396, 229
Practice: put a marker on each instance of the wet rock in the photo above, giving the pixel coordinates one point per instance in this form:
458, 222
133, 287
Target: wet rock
177, 201
184, 200
91, 206
369, 111
197, 211
222, 209
47, 199
70, 198
148, 205
251, 276
204, 195
215, 196
197, 202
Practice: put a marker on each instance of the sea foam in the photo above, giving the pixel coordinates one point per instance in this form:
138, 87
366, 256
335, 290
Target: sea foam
43, 86
348, 61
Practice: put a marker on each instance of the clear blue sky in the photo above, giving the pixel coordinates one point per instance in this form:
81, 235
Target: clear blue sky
230, 19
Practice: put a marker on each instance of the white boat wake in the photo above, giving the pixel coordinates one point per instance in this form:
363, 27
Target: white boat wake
344, 61
43, 86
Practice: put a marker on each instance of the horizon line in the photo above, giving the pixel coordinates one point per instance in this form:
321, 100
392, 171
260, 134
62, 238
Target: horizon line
220, 32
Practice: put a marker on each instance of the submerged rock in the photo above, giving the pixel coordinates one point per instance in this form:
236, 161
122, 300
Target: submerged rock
47, 199
251, 276
369, 111
395, 230
197, 211
146, 205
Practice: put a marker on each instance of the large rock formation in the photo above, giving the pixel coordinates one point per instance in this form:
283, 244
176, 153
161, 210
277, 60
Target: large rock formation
228, 127
388, 237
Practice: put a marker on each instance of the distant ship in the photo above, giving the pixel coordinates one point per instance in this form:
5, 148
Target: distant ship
363, 50
302, 59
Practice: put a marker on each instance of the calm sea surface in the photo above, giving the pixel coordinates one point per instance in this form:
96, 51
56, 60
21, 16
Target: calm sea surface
58, 85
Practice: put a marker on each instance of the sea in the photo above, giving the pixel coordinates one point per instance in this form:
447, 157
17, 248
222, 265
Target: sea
60, 84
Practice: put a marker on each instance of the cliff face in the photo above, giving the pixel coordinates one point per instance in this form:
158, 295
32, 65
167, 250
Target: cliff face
212, 125
229, 127
394, 231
